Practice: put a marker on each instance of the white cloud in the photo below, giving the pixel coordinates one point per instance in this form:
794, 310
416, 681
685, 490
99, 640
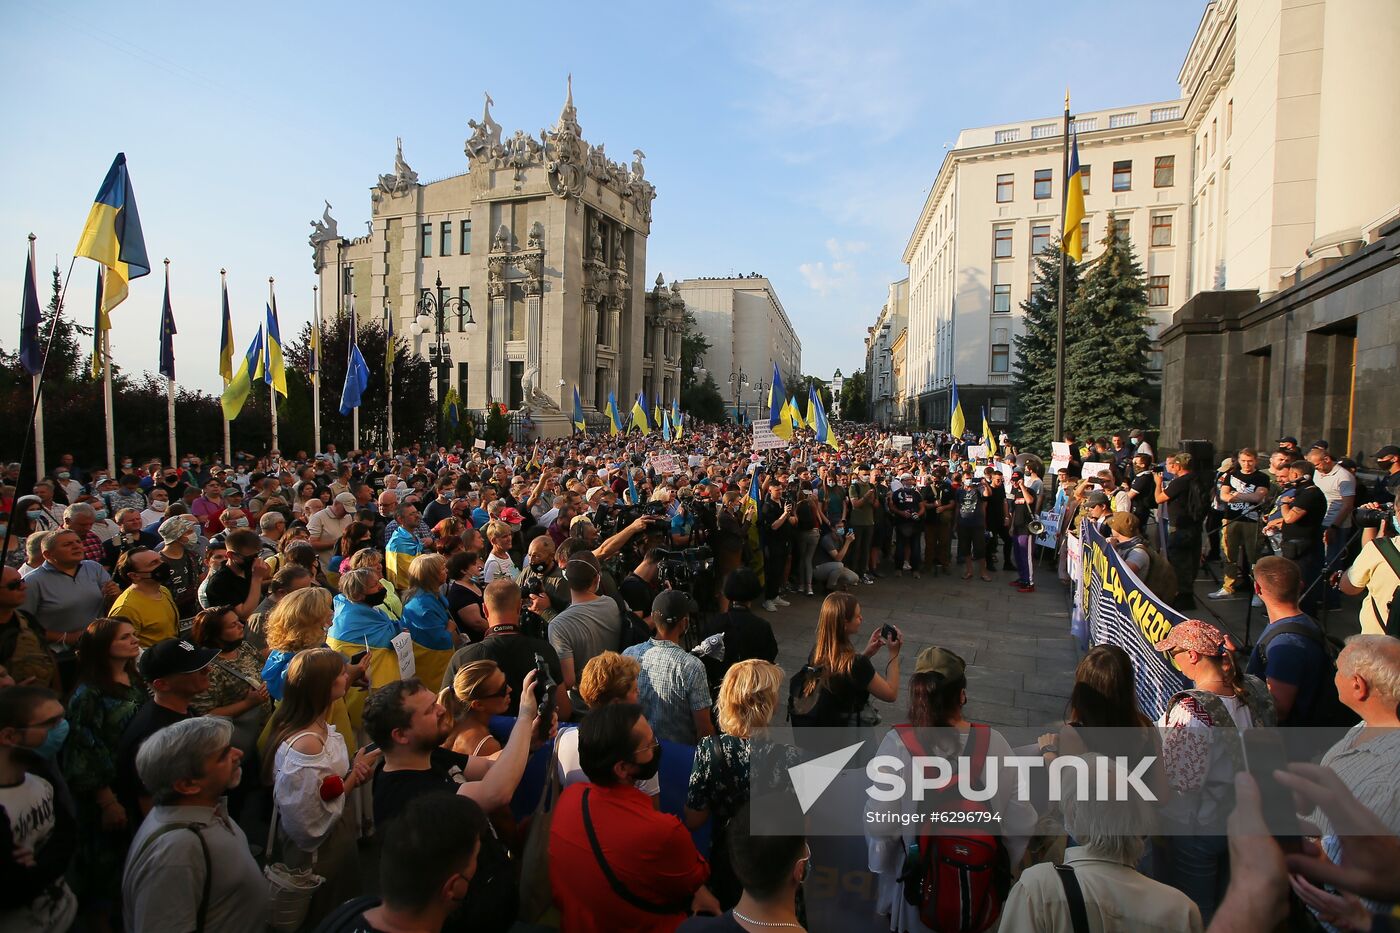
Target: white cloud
835, 273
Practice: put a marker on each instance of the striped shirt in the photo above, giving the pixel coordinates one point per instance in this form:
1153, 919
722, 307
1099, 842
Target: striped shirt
1368, 769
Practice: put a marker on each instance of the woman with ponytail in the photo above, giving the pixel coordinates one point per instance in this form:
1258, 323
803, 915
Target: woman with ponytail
846, 676
479, 691
1202, 752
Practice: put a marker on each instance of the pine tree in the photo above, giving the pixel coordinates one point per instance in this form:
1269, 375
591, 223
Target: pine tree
66, 358
1033, 405
497, 428
1106, 351
702, 401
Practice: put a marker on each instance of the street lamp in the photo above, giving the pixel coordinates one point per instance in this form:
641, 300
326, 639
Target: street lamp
738, 382
432, 316
758, 397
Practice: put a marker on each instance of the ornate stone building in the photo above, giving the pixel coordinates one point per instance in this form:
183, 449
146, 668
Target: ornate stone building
544, 239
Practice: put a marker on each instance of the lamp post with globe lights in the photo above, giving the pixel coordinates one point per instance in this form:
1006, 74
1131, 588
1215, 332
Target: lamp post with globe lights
433, 311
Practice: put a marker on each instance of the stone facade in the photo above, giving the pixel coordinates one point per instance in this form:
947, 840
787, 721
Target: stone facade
545, 238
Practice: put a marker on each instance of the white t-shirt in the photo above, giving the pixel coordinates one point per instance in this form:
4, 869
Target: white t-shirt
570, 772
1334, 486
29, 805
498, 568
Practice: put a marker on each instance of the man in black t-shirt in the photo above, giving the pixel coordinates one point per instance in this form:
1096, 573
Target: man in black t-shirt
1302, 507
1140, 491
907, 509
777, 525
939, 509
1243, 491
640, 587
239, 582
1185, 516
510, 648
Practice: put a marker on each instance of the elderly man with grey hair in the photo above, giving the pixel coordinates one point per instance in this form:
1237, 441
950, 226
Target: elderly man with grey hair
79, 519
1112, 837
189, 867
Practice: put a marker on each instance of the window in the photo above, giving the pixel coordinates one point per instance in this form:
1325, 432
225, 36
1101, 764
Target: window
1122, 119
1084, 178
1158, 289
427, 240
1154, 361
1043, 179
515, 312
1040, 238
464, 293
1229, 117
1008, 136
516, 379
1213, 134
1005, 188
466, 238
423, 298
1001, 243
1042, 130
1001, 299
1119, 228
1164, 171
1084, 235
447, 238
1001, 358
1085, 124
997, 409
1123, 175
462, 384
1165, 113
1161, 229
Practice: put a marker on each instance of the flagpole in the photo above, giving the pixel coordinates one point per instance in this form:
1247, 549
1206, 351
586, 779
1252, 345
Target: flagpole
228, 446
169, 384
35, 379
107, 400
1060, 304
272, 380
316, 374
354, 412
389, 372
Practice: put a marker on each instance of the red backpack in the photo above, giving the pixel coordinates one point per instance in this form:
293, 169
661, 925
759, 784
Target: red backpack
958, 882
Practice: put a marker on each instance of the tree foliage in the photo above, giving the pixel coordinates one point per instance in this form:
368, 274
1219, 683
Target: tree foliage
855, 397
702, 400
693, 348
1033, 405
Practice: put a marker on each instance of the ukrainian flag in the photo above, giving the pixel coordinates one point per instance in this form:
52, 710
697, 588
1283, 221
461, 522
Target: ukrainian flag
778, 418
315, 350
614, 416
656, 414
242, 382
226, 342
987, 433
822, 427
957, 424
666, 425
112, 236
274, 368
1073, 243
639, 415
450, 408
796, 414
580, 425
677, 422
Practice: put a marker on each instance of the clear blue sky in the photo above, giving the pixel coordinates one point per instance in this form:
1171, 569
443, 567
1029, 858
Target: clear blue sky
797, 140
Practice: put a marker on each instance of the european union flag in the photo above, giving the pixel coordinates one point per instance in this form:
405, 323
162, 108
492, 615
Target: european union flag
356, 379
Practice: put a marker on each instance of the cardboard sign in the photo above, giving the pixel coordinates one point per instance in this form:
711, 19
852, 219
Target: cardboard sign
403, 647
1051, 521
480, 444
977, 452
765, 439
664, 464
1096, 469
902, 441
1060, 456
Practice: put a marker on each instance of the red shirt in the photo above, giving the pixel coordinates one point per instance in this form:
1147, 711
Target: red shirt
651, 853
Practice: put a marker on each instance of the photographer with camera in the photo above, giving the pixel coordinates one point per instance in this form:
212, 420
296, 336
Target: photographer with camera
1301, 509
1376, 572
777, 525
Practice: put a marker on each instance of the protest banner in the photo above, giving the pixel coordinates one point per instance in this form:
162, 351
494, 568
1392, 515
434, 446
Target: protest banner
901, 441
1051, 520
479, 444
1059, 459
1096, 469
1119, 609
765, 439
663, 464
403, 649
977, 452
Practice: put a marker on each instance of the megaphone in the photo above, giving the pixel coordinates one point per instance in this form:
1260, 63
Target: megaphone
1036, 527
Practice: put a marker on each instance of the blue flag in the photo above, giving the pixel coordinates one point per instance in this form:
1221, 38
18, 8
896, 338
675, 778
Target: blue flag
356, 379
167, 333
31, 347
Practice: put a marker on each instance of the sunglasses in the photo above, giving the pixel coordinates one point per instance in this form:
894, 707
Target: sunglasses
504, 691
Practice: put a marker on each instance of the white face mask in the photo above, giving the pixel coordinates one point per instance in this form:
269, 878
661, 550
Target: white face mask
158, 505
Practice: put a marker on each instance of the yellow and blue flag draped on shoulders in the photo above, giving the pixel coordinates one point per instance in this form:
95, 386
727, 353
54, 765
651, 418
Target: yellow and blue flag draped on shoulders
957, 424
242, 382
987, 433
639, 415
1073, 243
226, 340
677, 422
112, 236
614, 416
778, 417
579, 423
274, 368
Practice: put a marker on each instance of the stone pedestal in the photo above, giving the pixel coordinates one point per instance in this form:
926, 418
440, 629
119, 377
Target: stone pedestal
551, 424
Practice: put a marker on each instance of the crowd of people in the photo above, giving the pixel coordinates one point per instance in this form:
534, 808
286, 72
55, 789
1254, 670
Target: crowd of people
381, 649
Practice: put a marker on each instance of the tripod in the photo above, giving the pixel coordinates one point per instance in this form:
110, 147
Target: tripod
1328, 568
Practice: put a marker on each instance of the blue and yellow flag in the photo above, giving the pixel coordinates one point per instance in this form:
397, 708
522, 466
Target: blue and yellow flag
99, 330
451, 408
356, 369
639, 415
167, 332
614, 416
580, 425
31, 347
778, 418
656, 414
226, 339
957, 424
987, 433
632, 487
677, 422
1073, 243
112, 236
795, 413
315, 352
274, 368
822, 427
755, 487
666, 424
242, 382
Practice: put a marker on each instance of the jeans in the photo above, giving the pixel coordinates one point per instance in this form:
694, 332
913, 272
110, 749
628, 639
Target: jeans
1308, 556
1238, 539
1024, 570
1199, 867
806, 548
834, 574
908, 540
860, 556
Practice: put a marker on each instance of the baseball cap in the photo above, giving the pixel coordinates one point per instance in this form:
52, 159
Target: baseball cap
1291, 441
1389, 450
940, 661
233, 491
1194, 635
578, 520
1123, 523
511, 516
347, 500
174, 656
1097, 498
673, 605
593, 493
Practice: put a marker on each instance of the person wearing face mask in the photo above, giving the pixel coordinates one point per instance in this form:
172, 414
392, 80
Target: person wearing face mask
154, 512
650, 856
239, 581
178, 534
358, 626
145, 602
67, 488
236, 690
36, 811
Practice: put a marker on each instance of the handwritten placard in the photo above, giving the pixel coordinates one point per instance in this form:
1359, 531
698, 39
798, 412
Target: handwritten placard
403, 648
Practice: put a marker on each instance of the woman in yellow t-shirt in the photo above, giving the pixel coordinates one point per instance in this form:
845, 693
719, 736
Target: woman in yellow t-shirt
145, 603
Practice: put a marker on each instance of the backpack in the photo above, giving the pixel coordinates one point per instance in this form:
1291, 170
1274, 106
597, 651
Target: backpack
958, 882
1328, 709
1161, 576
1390, 624
1197, 504
817, 708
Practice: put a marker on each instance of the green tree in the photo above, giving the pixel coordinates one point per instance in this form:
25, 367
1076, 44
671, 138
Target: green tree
702, 400
1033, 403
497, 428
1106, 384
693, 348
855, 399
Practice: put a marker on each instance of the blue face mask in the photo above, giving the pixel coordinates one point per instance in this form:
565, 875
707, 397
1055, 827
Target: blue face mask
99, 514
34, 516
48, 750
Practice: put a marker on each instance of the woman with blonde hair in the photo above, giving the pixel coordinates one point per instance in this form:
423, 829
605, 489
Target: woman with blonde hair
311, 774
478, 692
370, 559
847, 678
499, 563
427, 619
724, 766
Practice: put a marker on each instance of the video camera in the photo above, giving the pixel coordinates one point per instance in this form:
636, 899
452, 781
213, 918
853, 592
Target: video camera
681, 569
531, 622
1373, 518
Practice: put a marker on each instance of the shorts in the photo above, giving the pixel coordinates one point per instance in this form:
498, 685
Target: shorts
972, 542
